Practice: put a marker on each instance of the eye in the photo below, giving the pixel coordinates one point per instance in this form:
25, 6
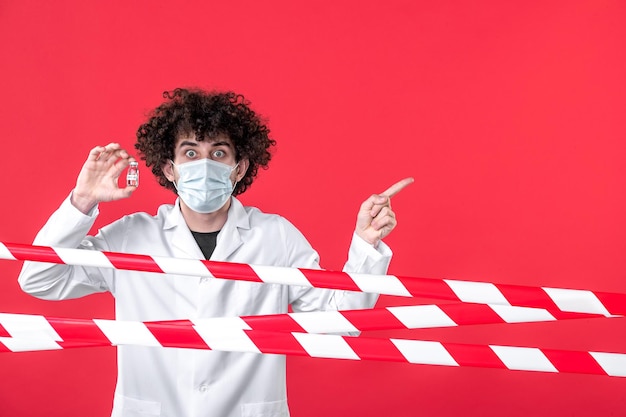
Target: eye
219, 153
190, 153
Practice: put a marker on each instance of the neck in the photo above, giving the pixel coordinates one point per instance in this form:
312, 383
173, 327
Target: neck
205, 222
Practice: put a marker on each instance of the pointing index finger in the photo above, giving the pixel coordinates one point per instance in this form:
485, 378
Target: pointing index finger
397, 187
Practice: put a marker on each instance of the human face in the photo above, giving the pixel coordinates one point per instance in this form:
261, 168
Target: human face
220, 149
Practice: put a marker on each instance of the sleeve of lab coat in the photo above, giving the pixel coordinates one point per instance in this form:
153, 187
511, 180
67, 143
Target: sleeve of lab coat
66, 228
362, 258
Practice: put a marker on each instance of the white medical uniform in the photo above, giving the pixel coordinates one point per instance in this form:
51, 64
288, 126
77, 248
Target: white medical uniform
172, 382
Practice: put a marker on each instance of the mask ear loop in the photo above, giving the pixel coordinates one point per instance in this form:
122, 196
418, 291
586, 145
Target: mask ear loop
173, 167
236, 182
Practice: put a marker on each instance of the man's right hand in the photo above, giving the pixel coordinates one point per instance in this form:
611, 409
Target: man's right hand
98, 179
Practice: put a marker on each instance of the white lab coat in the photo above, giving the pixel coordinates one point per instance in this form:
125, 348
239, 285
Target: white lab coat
174, 382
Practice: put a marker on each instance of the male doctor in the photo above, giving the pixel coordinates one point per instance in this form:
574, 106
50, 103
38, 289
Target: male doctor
207, 147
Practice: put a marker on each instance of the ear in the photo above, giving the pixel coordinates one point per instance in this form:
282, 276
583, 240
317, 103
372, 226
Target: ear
168, 171
242, 168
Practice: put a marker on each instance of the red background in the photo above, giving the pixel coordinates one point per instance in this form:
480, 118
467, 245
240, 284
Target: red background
510, 116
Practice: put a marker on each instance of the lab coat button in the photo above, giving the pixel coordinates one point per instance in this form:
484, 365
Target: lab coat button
203, 388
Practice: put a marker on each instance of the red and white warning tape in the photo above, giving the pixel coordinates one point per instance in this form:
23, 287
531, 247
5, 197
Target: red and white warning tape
34, 333
297, 333
552, 299
403, 317
346, 321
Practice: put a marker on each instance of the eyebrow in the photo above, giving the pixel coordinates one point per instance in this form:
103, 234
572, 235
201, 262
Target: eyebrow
187, 143
222, 143
190, 143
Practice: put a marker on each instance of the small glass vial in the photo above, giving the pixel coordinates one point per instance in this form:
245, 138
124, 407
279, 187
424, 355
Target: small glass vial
132, 176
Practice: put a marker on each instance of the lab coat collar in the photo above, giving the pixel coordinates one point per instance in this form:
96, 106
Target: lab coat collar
228, 240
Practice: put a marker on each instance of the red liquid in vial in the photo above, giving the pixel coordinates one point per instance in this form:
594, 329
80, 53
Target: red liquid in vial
132, 177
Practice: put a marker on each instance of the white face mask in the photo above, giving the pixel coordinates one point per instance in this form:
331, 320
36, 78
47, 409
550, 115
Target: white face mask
204, 185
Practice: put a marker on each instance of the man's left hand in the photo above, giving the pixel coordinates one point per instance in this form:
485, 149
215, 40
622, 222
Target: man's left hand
376, 219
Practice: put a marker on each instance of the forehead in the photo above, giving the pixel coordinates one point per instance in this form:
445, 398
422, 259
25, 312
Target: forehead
189, 139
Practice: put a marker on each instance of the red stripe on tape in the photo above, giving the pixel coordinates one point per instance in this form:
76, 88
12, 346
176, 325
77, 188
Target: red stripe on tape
614, 303
78, 330
465, 314
181, 335
282, 343
227, 270
375, 349
134, 262
73, 345
564, 315
527, 297
330, 279
376, 319
277, 323
41, 253
3, 331
576, 362
429, 288
474, 355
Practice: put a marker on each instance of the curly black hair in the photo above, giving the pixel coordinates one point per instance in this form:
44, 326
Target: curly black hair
207, 115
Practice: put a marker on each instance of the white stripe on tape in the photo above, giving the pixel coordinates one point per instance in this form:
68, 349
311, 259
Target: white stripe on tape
380, 284
614, 364
32, 326
288, 276
421, 316
577, 300
325, 346
226, 339
513, 314
424, 352
220, 324
127, 332
477, 292
323, 322
182, 266
26, 344
523, 358
226, 334
83, 257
